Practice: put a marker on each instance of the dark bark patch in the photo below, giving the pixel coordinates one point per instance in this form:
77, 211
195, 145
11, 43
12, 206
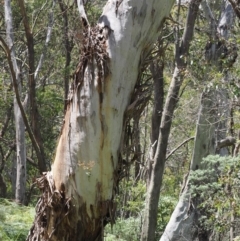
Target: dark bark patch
142, 14
67, 228
57, 218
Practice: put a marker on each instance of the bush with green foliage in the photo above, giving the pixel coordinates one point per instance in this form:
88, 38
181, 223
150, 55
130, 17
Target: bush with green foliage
129, 218
216, 187
124, 230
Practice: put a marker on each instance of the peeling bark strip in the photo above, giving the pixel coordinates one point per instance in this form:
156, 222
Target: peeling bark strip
55, 206
85, 170
93, 53
55, 214
51, 202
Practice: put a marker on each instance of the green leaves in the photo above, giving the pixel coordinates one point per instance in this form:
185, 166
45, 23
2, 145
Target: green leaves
217, 189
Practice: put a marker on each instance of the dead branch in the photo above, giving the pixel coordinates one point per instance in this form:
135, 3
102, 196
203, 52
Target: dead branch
228, 141
175, 149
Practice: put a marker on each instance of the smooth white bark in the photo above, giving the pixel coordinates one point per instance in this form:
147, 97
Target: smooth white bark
19, 124
20, 155
91, 144
181, 225
85, 168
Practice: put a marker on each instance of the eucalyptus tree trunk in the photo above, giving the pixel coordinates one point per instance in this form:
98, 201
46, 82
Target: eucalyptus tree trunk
182, 225
152, 199
19, 124
156, 68
34, 114
211, 129
20, 190
78, 193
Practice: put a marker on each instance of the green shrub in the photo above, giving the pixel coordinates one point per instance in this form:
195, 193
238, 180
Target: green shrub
124, 230
216, 188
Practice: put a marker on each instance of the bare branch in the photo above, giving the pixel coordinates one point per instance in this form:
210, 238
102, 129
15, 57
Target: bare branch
175, 149
228, 141
37, 15
49, 32
235, 7
32, 162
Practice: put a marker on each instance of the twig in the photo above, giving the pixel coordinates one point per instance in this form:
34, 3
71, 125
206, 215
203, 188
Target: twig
175, 149
49, 32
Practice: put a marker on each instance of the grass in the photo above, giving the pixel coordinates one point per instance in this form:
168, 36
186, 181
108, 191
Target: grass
15, 220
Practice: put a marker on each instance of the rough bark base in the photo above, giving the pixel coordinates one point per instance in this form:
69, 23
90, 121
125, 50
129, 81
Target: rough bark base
56, 215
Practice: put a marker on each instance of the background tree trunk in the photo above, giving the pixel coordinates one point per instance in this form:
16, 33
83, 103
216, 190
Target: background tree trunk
34, 114
78, 193
156, 68
211, 128
19, 124
182, 224
20, 190
152, 199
